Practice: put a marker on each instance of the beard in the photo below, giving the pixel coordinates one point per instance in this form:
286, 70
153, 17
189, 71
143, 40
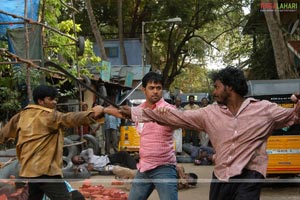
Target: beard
222, 99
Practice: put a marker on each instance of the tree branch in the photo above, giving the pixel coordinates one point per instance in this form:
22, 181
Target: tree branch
6, 53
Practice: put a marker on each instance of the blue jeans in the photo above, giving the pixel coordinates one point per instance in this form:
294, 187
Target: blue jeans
162, 178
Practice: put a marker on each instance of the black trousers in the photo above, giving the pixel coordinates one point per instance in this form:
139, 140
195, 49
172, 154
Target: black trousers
246, 186
122, 158
53, 186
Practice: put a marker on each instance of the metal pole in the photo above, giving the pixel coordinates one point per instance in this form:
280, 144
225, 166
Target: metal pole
130, 93
143, 47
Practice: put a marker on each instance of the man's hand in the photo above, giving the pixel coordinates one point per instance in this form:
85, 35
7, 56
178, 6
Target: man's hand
125, 111
98, 111
162, 110
113, 111
90, 167
295, 98
297, 109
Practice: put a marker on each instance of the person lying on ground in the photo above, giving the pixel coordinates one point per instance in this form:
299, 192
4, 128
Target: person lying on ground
92, 162
10, 189
185, 180
202, 155
204, 158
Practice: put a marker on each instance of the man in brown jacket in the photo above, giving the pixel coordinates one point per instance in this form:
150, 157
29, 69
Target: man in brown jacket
40, 142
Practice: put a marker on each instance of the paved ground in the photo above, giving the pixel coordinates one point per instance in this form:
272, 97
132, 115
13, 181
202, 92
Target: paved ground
283, 191
201, 190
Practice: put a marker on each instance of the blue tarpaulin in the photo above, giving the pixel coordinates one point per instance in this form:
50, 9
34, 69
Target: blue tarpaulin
16, 7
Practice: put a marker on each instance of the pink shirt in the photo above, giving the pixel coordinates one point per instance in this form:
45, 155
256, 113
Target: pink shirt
240, 140
156, 141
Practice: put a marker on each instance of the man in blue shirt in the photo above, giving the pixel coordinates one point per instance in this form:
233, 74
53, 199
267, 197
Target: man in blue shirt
111, 133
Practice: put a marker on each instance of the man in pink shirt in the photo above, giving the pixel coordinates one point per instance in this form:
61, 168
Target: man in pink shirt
238, 128
157, 164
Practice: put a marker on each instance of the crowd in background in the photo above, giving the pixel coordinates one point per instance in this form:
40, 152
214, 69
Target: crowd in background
196, 144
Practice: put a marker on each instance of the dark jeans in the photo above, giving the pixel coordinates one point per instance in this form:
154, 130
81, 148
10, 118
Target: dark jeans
122, 158
53, 186
246, 186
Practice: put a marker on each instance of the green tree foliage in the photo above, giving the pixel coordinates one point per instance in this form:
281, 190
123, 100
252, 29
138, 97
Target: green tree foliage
9, 96
58, 47
261, 62
192, 79
9, 93
225, 34
262, 65
208, 28
63, 49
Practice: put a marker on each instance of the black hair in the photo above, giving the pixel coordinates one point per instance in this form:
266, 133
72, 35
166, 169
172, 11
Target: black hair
194, 177
233, 77
192, 96
152, 77
42, 91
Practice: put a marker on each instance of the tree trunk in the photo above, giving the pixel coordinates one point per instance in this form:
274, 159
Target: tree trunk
95, 29
281, 52
121, 38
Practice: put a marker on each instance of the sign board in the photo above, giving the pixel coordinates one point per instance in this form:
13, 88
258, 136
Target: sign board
105, 71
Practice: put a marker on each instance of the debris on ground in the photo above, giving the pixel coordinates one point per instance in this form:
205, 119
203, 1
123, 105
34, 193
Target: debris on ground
99, 192
9, 191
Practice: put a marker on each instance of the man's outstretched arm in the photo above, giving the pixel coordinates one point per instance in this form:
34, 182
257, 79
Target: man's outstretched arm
123, 112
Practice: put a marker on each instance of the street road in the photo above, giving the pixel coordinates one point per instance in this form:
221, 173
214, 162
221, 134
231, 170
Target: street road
274, 191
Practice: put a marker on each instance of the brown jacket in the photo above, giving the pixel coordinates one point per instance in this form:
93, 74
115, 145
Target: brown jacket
40, 139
